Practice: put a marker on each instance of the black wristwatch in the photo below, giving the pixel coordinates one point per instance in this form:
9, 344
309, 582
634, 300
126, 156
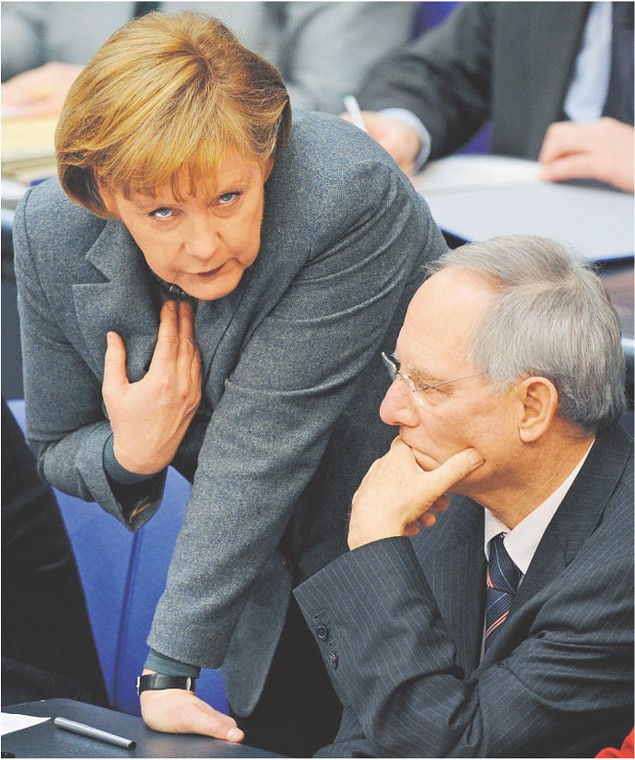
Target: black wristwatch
160, 681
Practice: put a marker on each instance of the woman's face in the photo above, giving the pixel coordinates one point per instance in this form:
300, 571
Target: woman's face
204, 243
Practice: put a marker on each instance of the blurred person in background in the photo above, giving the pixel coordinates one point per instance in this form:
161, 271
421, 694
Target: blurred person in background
556, 80
323, 50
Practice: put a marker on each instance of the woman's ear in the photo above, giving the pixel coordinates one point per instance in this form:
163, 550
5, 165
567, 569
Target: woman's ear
106, 194
539, 400
267, 169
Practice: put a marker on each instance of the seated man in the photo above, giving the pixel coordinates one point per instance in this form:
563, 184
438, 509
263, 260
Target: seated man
504, 627
556, 79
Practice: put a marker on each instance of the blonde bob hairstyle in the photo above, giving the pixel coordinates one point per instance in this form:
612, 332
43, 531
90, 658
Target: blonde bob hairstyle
161, 103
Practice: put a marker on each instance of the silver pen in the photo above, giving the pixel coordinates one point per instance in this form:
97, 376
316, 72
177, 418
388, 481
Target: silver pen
94, 733
354, 111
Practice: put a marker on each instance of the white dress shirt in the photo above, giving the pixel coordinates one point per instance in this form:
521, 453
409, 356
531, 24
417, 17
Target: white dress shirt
522, 541
587, 90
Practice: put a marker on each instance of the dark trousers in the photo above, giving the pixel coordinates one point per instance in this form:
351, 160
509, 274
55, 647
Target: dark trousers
47, 642
298, 711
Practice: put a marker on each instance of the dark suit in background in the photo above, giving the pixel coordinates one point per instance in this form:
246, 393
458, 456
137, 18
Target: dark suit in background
401, 625
511, 62
47, 642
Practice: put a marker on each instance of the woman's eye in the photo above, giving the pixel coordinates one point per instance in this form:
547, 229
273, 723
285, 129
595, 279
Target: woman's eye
161, 213
227, 198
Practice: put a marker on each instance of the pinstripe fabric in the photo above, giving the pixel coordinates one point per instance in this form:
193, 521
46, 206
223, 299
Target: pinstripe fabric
502, 581
400, 623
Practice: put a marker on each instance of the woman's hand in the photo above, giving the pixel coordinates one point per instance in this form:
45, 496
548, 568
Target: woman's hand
150, 417
178, 711
397, 497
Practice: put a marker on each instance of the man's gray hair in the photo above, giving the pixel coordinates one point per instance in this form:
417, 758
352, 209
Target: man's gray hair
551, 318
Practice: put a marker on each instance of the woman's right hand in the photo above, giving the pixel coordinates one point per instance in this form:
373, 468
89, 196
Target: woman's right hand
150, 417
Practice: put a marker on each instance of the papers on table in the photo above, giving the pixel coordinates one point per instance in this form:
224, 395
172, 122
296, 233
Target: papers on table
479, 197
28, 149
10, 722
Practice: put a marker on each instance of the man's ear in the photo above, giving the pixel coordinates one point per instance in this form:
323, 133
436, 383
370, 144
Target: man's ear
539, 402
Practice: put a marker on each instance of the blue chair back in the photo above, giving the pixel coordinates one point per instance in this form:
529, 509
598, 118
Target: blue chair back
123, 575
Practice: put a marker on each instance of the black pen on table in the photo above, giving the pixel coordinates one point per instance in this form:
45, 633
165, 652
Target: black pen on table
94, 733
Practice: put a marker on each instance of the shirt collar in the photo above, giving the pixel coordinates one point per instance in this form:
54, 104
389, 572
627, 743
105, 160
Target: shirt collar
521, 542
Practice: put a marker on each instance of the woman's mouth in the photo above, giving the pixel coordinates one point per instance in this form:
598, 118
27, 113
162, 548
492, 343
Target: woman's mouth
209, 275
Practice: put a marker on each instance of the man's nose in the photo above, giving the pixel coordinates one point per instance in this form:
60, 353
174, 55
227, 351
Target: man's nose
399, 406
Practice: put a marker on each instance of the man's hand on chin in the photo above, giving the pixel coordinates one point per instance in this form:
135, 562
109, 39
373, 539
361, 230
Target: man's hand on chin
397, 496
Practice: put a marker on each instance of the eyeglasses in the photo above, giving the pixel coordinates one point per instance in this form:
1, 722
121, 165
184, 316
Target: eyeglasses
393, 365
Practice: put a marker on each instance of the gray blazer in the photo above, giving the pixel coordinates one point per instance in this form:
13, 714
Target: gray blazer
508, 61
401, 625
288, 423
323, 50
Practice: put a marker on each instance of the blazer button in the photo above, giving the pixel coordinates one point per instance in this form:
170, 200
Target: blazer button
322, 632
333, 660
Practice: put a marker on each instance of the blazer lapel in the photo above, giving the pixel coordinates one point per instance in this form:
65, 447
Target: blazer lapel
555, 29
123, 302
455, 570
575, 519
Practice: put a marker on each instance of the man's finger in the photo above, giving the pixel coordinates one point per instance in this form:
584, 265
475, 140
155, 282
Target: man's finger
565, 138
115, 375
454, 469
577, 166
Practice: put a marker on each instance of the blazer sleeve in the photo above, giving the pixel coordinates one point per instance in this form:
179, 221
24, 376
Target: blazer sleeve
330, 47
443, 77
568, 679
67, 427
296, 376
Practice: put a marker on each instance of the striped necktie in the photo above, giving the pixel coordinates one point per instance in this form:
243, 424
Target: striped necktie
502, 581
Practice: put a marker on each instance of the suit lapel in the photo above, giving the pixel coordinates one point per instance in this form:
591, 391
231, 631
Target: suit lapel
558, 27
126, 303
455, 570
123, 303
574, 521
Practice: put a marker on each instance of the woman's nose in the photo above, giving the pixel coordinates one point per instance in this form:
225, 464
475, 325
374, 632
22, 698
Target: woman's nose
399, 406
203, 239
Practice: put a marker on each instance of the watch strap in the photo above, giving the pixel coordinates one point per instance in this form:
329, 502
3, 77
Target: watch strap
161, 681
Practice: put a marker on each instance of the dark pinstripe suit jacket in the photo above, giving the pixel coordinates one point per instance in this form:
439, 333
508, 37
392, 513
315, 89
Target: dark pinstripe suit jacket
400, 624
508, 62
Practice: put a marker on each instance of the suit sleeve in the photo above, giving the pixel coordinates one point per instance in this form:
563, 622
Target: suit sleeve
296, 376
393, 661
444, 77
331, 47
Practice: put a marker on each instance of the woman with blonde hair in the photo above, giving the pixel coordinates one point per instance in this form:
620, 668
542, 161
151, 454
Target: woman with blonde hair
208, 286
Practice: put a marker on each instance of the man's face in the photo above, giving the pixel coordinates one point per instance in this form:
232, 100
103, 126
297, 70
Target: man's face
432, 348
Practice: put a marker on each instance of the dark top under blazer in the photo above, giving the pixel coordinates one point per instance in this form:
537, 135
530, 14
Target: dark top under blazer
401, 624
511, 62
288, 423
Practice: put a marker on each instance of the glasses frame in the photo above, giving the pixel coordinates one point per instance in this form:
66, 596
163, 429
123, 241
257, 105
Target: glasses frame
393, 365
